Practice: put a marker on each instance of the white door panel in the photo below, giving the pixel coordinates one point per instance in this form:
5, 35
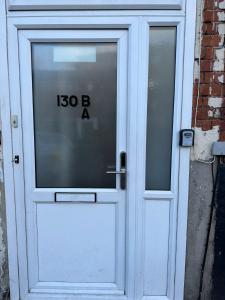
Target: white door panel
69, 243
156, 241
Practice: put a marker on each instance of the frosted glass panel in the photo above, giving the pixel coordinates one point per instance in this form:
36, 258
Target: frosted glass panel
74, 53
161, 83
74, 96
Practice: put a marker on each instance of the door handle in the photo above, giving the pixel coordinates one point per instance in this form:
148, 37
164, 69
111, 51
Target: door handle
122, 172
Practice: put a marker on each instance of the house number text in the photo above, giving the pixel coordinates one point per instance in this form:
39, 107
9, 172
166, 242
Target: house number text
74, 101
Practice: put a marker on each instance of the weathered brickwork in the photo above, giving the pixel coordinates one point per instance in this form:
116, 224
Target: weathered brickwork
208, 120
209, 93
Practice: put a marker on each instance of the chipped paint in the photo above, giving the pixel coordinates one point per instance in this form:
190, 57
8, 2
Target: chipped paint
221, 29
203, 143
214, 113
196, 70
222, 5
221, 16
210, 90
221, 78
215, 102
219, 62
198, 27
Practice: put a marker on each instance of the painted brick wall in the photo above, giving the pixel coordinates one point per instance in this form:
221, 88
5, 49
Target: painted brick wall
208, 120
209, 93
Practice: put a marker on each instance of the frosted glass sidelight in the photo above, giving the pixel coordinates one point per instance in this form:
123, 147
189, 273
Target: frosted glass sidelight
74, 98
162, 60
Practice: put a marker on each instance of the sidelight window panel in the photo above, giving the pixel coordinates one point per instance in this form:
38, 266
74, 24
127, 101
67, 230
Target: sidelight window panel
161, 82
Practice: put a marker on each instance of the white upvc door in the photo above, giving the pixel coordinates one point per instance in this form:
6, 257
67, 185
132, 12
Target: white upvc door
96, 106
74, 108
74, 135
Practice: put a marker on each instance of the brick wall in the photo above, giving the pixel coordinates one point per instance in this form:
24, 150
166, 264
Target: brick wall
209, 93
208, 120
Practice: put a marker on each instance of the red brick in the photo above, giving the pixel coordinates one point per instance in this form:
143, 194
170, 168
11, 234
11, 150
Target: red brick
210, 15
223, 90
195, 92
220, 123
222, 136
203, 52
202, 113
210, 77
211, 40
210, 86
194, 101
216, 90
206, 65
210, 4
206, 125
210, 28
202, 77
193, 111
209, 53
202, 101
222, 112
204, 89
199, 123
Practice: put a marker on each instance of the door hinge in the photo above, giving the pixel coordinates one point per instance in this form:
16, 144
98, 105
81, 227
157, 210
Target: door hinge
16, 159
14, 121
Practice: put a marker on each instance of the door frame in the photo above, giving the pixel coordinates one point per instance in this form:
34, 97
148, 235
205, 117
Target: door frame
94, 4
112, 20
170, 197
14, 25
